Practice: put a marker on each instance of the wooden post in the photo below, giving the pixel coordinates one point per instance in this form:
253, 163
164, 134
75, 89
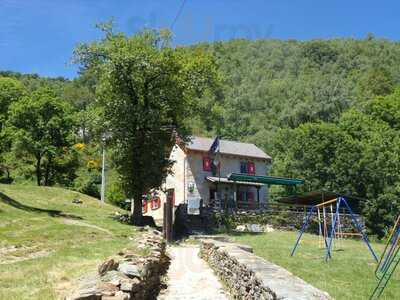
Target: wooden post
168, 216
258, 197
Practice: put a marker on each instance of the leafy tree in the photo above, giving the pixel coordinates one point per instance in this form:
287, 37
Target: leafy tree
358, 156
376, 82
147, 90
41, 126
386, 108
381, 213
11, 90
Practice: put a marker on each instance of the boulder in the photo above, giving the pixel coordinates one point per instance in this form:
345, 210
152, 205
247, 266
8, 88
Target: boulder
241, 228
114, 277
129, 270
130, 285
256, 228
86, 294
108, 265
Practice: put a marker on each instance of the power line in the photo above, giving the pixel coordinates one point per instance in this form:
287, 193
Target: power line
178, 14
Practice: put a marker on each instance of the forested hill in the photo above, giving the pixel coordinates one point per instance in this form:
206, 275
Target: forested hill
327, 111
270, 84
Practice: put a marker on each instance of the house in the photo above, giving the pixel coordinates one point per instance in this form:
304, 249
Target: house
195, 180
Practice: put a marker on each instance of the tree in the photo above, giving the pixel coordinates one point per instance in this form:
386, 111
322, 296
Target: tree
11, 90
148, 91
386, 108
41, 125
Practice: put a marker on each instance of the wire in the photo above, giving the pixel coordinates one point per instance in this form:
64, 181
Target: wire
178, 14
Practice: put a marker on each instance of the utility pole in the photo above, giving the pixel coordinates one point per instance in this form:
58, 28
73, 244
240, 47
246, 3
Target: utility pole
103, 172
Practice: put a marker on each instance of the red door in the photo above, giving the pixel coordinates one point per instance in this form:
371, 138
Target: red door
250, 199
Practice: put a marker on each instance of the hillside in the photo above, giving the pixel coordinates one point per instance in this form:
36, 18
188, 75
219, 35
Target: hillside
272, 84
46, 240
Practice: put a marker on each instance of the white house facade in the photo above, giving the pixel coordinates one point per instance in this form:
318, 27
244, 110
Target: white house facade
195, 180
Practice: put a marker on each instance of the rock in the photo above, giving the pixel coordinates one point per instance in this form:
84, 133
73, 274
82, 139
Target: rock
118, 296
77, 201
256, 228
129, 270
130, 285
241, 228
86, 294
113, 277
107, 288
268, 228
108, 265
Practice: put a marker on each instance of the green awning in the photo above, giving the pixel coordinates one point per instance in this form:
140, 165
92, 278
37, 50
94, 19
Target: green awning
265, 179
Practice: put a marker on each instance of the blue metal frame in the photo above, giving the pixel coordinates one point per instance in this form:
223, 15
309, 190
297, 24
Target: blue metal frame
328, 246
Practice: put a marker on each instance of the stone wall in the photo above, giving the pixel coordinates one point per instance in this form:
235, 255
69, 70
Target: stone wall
128, 275
248, 276
286, 219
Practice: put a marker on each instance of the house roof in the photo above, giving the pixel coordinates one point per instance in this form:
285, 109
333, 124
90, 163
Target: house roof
228, 147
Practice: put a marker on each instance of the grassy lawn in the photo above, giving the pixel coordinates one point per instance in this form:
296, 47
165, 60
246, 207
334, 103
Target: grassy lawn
46, 241
349, 275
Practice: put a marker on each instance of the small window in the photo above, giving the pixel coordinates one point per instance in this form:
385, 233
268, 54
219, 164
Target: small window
243, 167
206, 164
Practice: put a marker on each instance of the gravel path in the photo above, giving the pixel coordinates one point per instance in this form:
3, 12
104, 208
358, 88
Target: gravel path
189, 277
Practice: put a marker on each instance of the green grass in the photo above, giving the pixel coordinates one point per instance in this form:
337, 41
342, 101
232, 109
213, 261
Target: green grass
46, 241
349, 275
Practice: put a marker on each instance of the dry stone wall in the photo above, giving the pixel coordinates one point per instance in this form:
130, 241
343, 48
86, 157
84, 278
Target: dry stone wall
127, 276
248, 276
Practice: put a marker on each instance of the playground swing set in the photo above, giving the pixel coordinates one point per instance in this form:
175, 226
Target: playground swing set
389, 260
330, 231
333, 231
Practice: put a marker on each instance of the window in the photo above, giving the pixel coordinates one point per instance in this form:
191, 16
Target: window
247, 167
207, 164
155, 203
243, 167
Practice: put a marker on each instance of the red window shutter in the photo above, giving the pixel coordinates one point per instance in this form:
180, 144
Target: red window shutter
251, 168
206, 164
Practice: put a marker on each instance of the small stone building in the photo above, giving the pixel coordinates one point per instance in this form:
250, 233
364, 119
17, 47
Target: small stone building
196, 180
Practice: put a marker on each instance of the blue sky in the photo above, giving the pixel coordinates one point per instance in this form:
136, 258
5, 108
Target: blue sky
38, 36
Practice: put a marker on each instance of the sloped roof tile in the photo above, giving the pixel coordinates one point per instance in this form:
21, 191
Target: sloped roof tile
228, 147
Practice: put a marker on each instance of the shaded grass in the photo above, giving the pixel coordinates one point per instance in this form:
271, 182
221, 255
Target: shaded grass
34, 220
349, 275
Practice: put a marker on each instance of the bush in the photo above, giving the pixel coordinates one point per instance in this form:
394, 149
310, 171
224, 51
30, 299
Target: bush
88, 185
116, 196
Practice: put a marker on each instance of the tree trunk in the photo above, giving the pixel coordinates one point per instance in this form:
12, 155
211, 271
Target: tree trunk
47, 172
38, 170
137, 216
